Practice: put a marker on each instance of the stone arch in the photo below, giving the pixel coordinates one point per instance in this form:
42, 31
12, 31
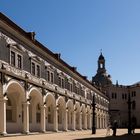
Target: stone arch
50, 111
70, 114
61, 109
36, 101
14, 109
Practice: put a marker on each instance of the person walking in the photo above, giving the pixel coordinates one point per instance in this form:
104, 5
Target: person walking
114, 128
133, 128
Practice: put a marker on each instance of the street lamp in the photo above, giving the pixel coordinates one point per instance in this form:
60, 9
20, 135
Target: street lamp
93, 116
129, 113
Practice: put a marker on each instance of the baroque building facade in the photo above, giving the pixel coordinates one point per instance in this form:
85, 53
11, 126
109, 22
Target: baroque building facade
118, 96
39, 91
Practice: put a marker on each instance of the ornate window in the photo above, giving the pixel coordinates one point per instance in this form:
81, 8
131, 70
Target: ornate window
61, 80
35, 68
13, 60
50, 74
16, 59
70, 85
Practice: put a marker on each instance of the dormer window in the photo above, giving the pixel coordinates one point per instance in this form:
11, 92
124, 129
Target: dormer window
35, 69
16, 59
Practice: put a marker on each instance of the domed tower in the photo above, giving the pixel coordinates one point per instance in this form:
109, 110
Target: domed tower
101, 64
101, 78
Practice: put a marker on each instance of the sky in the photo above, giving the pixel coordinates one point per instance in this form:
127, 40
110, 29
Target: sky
79, 29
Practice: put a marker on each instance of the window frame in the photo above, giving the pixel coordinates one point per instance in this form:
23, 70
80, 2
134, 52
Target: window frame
16, 53
37, 64
50, 76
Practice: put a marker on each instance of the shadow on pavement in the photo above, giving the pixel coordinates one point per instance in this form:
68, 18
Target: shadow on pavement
121, 137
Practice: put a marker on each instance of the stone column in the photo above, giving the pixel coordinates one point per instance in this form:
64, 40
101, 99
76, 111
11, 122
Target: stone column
73, 120
97, 122
3, 116
80, 121
56, 119
91, 120
66, 120
85, 125
43, 118
26, 117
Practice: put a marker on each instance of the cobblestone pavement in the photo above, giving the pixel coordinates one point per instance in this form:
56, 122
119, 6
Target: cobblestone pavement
77, 135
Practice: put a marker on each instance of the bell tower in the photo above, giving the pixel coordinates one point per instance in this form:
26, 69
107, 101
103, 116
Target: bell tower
101, 78
101, 64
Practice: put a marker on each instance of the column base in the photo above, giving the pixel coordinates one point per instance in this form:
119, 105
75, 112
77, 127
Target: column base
27, 132
43, 131
55, 130
3, 133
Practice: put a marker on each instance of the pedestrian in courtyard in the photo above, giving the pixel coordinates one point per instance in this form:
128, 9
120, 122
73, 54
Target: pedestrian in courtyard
108, 129
114, 127
133, 127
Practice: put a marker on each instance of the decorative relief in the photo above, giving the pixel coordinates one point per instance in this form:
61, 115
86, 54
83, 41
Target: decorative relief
6, 38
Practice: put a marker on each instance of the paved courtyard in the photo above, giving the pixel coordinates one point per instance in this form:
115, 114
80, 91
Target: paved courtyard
77, 135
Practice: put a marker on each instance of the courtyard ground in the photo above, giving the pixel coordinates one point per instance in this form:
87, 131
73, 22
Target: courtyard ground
76, 135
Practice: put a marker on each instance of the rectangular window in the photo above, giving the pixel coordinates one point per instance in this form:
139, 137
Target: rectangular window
122, 96
38, 71
59, 81
33, 68
52, 77
19, 61
63, 83
13, 58
115, 96
48, 76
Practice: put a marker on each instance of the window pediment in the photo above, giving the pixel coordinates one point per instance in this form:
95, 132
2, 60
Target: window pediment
16, 47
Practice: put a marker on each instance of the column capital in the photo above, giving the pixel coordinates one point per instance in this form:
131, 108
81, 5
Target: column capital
43, 106
3, 99
26, 103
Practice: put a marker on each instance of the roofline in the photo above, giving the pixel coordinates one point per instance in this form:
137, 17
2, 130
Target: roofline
41, 46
